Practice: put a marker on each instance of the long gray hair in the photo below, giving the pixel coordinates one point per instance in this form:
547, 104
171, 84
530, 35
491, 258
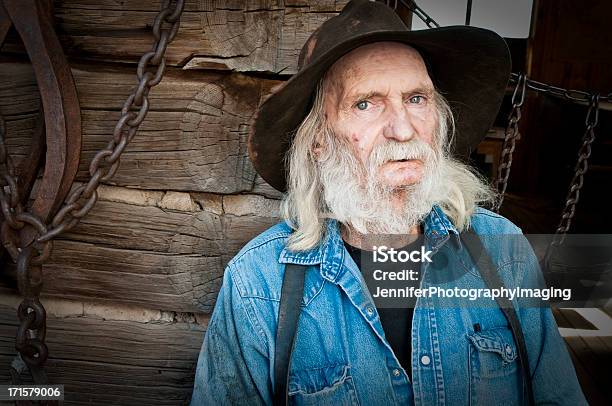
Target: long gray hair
304, 206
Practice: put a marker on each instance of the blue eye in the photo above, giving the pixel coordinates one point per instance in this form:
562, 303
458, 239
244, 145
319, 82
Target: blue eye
416, 99
362, 103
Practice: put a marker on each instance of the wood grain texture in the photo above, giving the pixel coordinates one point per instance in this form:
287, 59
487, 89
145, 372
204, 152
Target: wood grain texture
103, 361
193, 138
249, 35
154, 255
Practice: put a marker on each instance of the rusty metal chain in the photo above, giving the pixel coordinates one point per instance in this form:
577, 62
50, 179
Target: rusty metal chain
579, 96
582, 166
7, 176
510, 136
105, 163
30, 340
10, 203
30, 337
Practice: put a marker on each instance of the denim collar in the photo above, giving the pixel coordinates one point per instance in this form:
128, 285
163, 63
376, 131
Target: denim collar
437, 228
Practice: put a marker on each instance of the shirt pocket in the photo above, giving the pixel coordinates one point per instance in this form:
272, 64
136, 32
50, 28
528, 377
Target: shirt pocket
493, 364
331, 385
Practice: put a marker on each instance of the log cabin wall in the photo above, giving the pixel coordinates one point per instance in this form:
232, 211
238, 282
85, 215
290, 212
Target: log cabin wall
129, 291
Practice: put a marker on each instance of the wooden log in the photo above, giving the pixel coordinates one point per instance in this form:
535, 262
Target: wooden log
101, 360
254, 35
19, 106
193, 138
245, 216
162, 251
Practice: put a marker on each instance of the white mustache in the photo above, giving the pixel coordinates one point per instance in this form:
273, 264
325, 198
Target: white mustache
394, 151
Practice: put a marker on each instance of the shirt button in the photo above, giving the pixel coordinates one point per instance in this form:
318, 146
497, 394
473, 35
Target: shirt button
369, 310
425, 360
508, 350
396, 372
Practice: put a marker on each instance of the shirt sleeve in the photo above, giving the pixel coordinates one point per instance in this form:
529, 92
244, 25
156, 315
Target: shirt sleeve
553, 376
233, 364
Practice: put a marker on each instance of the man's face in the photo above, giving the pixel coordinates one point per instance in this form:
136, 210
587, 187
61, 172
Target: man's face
381, 93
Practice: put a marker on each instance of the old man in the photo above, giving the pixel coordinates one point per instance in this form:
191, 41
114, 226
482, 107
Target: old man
367, 141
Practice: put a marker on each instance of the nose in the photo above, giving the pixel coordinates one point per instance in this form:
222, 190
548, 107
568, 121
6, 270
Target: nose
398, 125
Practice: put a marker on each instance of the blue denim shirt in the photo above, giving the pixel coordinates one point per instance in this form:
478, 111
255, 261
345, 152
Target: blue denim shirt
341, 355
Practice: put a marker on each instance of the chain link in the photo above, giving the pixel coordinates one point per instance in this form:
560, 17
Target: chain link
105, 163
9, 198
582, 166
511, 134
30, 339
579, 96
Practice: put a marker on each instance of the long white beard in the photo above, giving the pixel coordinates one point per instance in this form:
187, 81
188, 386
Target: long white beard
355, 196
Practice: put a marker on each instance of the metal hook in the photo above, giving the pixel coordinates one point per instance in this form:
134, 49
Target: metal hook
520, 84
592, 117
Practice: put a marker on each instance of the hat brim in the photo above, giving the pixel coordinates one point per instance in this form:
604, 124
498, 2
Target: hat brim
470, 66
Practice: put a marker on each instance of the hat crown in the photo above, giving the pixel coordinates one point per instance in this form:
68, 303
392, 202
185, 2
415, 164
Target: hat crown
358, 17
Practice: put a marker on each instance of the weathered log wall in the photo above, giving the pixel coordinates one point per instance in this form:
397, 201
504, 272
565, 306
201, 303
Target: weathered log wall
194, 137
239, 35
130, 289
112, 355
167, 252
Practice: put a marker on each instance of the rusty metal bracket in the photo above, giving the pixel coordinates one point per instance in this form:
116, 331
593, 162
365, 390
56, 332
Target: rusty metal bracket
62, 115
57, 138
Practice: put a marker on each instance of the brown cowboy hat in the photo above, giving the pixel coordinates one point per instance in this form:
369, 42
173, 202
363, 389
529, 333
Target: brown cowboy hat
470, 66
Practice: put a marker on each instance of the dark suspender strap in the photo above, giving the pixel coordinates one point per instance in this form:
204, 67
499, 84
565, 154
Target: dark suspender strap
488, 270
288, 316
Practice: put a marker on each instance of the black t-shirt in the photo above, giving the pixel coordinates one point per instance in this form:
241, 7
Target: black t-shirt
396, 321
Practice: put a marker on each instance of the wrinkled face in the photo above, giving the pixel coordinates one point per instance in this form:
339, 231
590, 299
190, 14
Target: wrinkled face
381, 93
